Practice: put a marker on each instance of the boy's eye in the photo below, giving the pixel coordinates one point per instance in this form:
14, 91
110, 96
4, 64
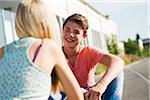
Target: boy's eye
67, 30
76, 32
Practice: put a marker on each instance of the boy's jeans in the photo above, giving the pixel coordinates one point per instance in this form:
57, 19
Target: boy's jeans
114, 90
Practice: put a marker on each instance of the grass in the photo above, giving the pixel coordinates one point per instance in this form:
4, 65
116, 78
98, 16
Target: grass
101, 68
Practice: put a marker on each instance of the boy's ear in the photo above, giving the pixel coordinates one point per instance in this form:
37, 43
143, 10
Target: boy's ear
85, 35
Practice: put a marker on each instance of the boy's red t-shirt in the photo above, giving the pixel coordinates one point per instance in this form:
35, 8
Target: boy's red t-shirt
84, 68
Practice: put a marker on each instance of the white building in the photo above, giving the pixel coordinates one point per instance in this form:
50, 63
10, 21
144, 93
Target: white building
100, 27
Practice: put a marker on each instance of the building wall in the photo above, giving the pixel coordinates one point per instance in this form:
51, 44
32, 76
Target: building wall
7, 30
98, 24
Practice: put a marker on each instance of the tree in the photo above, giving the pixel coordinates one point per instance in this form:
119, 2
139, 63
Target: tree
137, 37
131, 47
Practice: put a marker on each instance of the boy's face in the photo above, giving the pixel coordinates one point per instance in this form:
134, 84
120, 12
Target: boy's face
73, 34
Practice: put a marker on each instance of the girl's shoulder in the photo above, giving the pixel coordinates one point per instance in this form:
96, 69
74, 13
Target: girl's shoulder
50, 44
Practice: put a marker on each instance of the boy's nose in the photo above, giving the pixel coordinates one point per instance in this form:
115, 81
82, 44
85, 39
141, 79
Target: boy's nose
71, 34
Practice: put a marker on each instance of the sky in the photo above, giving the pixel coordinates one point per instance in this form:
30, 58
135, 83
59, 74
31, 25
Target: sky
131, 16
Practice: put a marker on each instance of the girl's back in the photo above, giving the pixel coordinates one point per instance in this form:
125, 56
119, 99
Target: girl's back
19, 76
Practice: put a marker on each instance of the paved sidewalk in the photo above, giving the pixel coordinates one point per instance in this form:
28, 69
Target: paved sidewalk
137, 83
134, 87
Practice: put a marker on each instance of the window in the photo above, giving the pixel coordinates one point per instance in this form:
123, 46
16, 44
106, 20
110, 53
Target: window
2, 34
96, 38
7, 30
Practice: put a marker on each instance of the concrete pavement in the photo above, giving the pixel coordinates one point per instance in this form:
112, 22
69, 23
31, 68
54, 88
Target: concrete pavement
137, 83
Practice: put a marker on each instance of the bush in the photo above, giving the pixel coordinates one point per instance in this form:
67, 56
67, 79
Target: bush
132, 47
129, 58
145, 52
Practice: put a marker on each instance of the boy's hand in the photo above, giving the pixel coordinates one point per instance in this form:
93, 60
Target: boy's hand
92, 95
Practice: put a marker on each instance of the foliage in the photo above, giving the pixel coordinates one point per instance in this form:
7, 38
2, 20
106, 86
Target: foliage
132, 47
137, 37
133, 50
100, 68
112, 45
145, 52
129, 58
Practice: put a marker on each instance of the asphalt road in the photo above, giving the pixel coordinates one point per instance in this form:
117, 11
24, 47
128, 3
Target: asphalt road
137, 81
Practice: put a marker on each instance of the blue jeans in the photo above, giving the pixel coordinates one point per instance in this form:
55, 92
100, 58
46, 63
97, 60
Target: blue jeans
114, 90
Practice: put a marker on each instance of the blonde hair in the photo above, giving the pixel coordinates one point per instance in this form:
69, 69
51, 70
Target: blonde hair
34, 19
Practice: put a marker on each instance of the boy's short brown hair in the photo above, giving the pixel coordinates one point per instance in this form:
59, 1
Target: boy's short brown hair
79, 19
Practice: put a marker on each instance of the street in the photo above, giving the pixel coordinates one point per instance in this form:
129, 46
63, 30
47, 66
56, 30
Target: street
137, 81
